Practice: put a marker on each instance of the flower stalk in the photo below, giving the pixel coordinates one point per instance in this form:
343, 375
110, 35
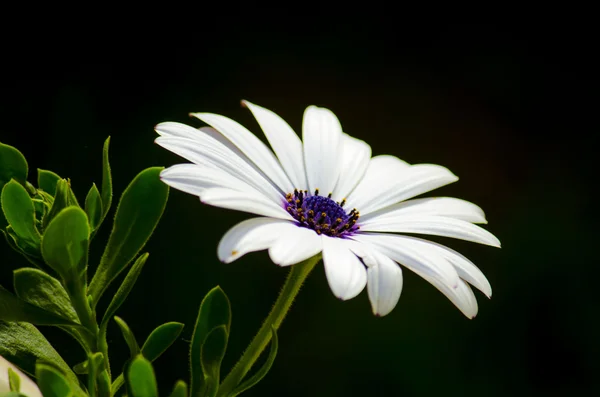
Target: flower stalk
293, 283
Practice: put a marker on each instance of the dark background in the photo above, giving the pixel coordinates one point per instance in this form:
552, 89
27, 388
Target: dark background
508, 108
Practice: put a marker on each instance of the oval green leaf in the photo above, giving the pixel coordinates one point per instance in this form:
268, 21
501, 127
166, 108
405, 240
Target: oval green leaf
22, 344
14, 309
138, 213
42, 290
264, 370
140, 377
160, 339
213, 351
19, 211
65, 244
47, 180
107, 191
214, 311
93, 207
61, 201
134, 348
71, 198
51, 382
14, 381
180, 389
12, 165
124, 289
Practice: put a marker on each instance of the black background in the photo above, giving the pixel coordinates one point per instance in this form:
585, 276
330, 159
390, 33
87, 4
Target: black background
508, 108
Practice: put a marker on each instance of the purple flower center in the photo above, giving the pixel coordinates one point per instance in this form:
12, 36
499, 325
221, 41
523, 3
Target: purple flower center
321, 214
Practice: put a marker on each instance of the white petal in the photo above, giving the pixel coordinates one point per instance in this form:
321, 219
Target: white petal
354, 163
379, 171
427, 263
205, 136
284, 141
251, 235
204, 181
462, 296
251, 146
345, 273
321, 134
211, 153
178, 130
409, 182
422, 260
384, 285
464, 267
195, 179
433, 225
440, 206
294, 245
243, 201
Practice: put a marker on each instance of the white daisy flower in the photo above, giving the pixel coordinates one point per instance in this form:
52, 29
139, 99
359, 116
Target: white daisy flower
326, 194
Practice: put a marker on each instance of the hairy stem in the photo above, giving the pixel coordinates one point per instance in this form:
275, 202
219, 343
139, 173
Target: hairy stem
296, 277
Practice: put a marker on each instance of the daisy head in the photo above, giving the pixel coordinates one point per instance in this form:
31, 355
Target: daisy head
326, 194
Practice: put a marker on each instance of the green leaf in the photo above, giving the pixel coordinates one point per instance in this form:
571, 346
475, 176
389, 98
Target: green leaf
51, 382
124, 289
22, 344
61, 201
160, 339
138, 213
10, 237
71, 199
140, 377
120, 296
213, 351
12, 165
107, 192
47, 180
180, 389
14, 309
117, 384
31, 254
42, 290
214, 311
14, 381
65, 244
257, 377
19, 211
134, 348
93, 207
47, 198
81, 368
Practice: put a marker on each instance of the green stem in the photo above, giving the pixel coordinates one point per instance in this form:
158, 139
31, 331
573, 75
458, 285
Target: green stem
296, 277
102, 346
87, 317
82, 308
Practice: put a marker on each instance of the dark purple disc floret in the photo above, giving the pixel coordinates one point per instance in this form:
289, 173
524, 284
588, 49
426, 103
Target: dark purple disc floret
321, 213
